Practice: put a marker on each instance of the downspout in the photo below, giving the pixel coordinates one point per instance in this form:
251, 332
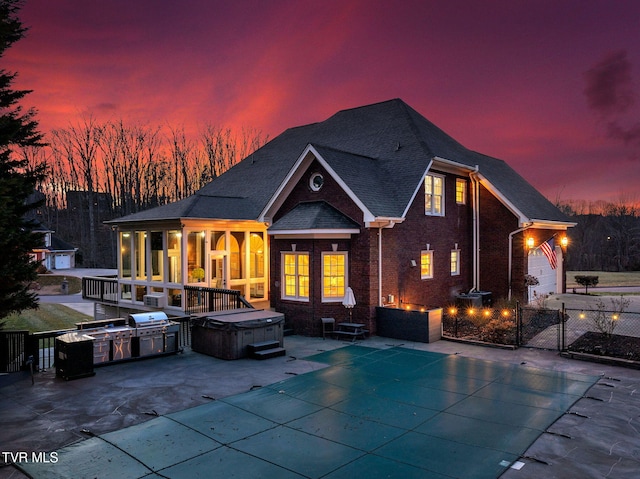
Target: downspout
380, 266
475, 201
519, 230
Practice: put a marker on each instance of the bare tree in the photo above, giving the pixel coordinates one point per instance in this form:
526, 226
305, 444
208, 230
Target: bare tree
79, 145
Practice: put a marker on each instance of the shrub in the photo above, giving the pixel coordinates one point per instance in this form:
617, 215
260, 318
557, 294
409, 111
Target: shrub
499, 331
606, 321
586, 281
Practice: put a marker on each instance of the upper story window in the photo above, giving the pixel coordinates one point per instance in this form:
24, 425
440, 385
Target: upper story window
426, 264
461, 191
434, 195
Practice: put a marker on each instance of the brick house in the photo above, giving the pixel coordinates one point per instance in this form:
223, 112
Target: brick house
375, 198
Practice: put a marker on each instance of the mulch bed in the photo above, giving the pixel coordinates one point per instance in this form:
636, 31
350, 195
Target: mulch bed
616, 346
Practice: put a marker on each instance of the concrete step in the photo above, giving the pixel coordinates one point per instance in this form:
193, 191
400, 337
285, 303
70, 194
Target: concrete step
262, 346
269, 353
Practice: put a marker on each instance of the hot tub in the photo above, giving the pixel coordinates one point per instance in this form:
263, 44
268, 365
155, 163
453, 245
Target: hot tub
226, 334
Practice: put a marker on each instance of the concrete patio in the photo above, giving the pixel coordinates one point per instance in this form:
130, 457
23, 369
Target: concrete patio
598, 437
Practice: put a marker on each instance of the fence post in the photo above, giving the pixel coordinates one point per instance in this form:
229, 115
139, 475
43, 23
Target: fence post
563, 325
518, 325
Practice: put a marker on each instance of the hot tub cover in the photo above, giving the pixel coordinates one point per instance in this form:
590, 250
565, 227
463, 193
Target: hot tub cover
243, 319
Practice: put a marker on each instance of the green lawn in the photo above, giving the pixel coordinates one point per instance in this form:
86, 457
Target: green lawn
48, 317
51, 283
606, 278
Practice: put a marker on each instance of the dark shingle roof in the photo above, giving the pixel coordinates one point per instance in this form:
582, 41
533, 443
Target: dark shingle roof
380, 151
317, 215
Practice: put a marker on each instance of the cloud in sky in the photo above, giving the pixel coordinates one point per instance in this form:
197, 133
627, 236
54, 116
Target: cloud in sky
547, 86
609, 88
610, 93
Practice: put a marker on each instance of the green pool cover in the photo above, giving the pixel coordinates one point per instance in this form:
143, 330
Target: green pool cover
374, 413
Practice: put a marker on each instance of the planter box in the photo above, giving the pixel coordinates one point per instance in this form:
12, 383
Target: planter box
423, 327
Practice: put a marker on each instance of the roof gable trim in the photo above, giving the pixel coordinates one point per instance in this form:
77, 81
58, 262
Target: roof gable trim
297, 170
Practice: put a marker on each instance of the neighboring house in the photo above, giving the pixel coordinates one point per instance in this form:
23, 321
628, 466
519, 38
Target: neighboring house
54, 253
376, 198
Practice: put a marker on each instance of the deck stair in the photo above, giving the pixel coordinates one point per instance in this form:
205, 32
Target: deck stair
265, 350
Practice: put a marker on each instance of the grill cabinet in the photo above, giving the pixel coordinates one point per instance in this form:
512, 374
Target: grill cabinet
74, 355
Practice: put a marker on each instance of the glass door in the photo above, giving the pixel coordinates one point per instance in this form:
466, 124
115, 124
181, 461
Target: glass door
218, 268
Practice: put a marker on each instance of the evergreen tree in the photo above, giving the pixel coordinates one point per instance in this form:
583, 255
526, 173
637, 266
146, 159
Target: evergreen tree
18, 129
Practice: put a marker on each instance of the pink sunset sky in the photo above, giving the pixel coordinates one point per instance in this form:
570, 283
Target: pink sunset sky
550, 86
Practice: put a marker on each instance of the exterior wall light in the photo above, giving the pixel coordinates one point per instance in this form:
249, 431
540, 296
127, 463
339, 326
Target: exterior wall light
530, 242
564, 241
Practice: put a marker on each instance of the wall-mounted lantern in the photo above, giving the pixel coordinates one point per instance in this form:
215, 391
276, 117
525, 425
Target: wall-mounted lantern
530, 242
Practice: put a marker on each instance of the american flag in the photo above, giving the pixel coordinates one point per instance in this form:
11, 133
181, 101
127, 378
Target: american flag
549, 250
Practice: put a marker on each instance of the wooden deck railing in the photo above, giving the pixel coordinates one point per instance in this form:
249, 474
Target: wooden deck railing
102, 289
196, 299
205, 300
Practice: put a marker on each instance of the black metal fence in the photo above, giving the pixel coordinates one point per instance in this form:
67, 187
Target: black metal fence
540, 328
490, 325
602, 331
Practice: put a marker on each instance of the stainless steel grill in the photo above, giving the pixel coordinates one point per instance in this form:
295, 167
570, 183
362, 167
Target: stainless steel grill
154, 318
154, 333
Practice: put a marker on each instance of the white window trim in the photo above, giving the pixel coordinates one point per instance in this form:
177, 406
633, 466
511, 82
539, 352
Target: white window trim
430, 253
431, 213
302, 299
346, 275
457, 272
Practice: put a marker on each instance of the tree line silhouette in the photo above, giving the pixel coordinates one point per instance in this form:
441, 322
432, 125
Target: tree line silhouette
606, 237
97, 171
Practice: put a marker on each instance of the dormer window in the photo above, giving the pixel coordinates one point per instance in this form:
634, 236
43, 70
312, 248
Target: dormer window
434, 195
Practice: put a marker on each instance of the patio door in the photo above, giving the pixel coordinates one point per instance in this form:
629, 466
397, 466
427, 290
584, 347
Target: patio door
218, 271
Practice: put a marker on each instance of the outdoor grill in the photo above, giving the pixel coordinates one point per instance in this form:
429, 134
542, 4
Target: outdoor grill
142, 334
154, 333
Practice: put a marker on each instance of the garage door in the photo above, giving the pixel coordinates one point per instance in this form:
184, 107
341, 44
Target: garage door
63, 261
540, 268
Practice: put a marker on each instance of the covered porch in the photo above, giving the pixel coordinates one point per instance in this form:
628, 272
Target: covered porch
187, 266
